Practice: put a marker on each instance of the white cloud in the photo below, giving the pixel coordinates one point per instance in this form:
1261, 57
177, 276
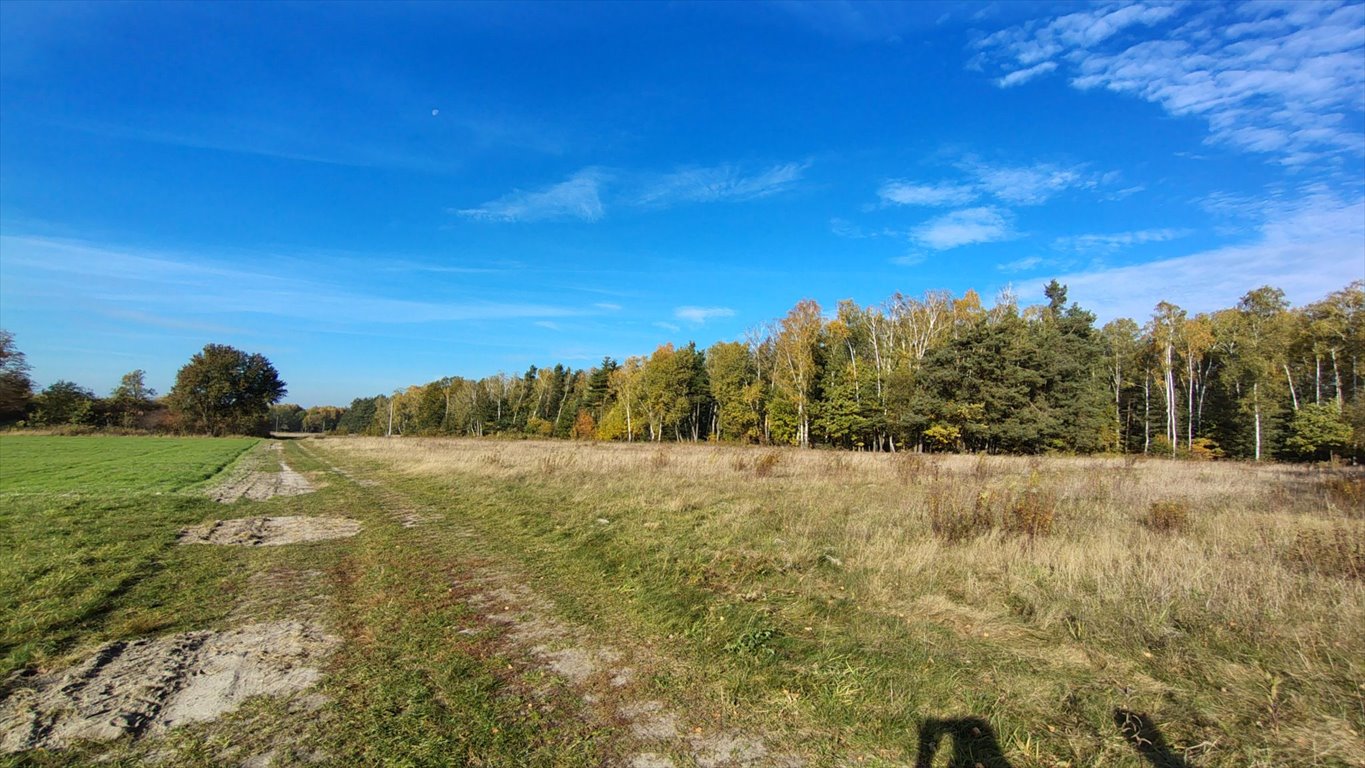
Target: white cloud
575, 198
581, 196
667, 326
718, 183
965, 227
1020, 265
1021, 76
1028, 184
1108, 243
702, 314
194, 289
910, 259
608, 306
909, 193
1283, 79
1309, 250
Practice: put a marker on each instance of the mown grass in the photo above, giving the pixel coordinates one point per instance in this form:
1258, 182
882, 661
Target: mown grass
818, 600
88, 526
47, 464
407, 688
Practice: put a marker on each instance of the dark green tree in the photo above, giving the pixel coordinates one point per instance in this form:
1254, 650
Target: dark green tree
16, 388
223, 390
64, 402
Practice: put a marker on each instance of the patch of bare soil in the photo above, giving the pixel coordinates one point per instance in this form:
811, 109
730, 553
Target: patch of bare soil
269, 531
605, 677
144, 687
251, 482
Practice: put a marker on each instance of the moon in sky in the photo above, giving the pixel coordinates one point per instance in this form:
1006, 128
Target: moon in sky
435, 112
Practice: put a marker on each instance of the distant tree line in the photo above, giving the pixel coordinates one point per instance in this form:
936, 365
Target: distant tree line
942, 373
221, 390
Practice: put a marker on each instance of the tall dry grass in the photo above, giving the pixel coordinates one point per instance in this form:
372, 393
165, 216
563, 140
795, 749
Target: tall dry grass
1250, 608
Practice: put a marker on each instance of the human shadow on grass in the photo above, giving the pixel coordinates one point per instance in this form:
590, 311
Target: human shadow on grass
1139, 730
973, 743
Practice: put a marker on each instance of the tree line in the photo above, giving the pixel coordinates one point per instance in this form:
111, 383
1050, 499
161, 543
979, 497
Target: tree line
942, 373
220, 391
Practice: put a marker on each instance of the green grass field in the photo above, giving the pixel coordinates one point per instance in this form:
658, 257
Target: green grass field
88, 525
848, 608
111, 465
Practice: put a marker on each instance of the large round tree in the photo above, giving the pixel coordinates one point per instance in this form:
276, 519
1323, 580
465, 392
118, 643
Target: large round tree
225, 391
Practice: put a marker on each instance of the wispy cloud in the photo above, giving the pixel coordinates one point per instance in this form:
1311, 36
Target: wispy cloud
574, 198
144, 285
588, 194
608, 306
1021, 76
910, 259
700, 315
1021, 265
1308, 249
965, 227
667, 326
909, 193
1283, 79
1026, 184
718, 183
1108, 243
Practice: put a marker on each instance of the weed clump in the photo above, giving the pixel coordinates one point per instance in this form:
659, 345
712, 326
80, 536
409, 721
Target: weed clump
1032, 512
766, 464
1169, 516
1335, 553
1346, 493
954, 520
659, 459
912, 467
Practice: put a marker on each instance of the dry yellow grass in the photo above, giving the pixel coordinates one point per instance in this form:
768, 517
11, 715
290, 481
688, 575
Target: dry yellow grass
1249, 618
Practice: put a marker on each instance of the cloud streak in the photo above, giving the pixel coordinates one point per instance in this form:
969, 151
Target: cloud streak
966, 227
699, 315
1308, 250
1032, 184
1281, 79
1108, 243
574, 198
140, 286
587, 195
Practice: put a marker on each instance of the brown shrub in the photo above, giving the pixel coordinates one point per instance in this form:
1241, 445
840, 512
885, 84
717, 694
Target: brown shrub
1338, 552
1032, 512
659, 459
1346, 493
766, 464
1168, 516
953, 519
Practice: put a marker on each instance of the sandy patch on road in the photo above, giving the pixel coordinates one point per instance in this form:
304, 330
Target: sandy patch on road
269, 531
250, 482
602, 675
147, 686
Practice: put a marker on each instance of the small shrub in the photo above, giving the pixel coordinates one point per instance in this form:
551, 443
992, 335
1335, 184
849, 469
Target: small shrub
739, 463
1169, 516
766, 464
1346, 493
660, 459
952, 520
1330, 553
913, 467
1032, 512
554, 463
1203, 449
836, 466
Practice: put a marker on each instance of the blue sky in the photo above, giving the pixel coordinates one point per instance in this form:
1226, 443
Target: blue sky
380, 195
